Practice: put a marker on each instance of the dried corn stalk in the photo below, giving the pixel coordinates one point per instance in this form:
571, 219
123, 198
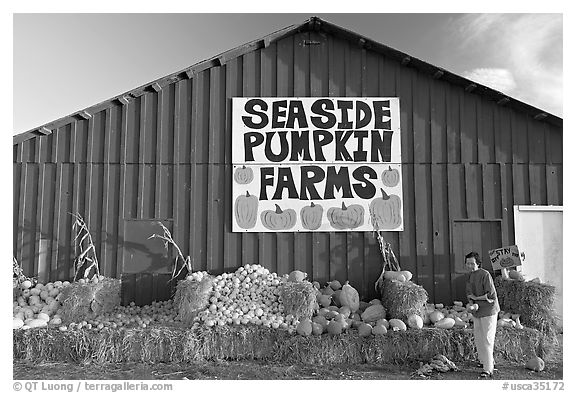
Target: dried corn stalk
185, 263
87, 256
389, 259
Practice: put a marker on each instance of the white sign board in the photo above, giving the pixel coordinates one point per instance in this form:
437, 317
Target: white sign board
316, 164
505, 257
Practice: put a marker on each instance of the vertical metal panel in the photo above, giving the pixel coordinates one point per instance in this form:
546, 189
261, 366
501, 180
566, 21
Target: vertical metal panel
441, 234
468, 128
302, 241
554, 184
423, 224
285, 88
536, 138
503, 135
491, 193
537, 181
438, 124
407, 238
521, 184
519, 138
485, 123
267, 241
507, 190
421, 116
474, 191
554, 146
453, 96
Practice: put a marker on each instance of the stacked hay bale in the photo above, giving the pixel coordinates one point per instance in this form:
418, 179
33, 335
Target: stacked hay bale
534, 302
192, 296
402, 298
83, 300
299, 299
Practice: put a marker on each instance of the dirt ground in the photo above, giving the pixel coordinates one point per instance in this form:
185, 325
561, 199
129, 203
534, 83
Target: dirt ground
256, 370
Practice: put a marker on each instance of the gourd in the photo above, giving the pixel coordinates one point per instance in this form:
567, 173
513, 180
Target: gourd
37, 323
245, 210
335, 327
445, 323
346, 217
311, 216
336, 298
278, 219
383, 322
345, 310
304, 327
415, 321
397, 324
297, 276
406, 274
386, 212
435, 316
364, 330
374, 313
320, 320
243, 175
17, 323
324, 300
379, 330
535, 364
390, 177
349, 297
335, 285
516, 275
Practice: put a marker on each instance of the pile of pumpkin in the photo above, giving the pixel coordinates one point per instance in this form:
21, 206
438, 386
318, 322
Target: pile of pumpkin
37, 304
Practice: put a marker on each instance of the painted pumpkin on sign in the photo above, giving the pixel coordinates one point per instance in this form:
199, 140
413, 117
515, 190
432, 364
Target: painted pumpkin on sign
246, 210
311, 216
390, 177
346, 217
279, 219
386, 212
243, 175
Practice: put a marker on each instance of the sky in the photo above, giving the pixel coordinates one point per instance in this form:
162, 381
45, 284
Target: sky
66, 62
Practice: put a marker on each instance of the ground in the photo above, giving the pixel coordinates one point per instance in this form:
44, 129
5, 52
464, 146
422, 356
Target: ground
255, 370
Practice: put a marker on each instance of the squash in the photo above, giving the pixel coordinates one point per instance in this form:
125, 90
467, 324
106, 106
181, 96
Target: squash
317, 329
333, 308
336, 298
297, 276
26, 284
331, 314
373, 313
516, 275
435, 316
43, 316
17, 323
349, 297
458, 322
383, 322
304, 327
445, 323
320, 320
415, 321
335, 327
397, 324
363, 306
311, 216
345, 310
391, 275
535, 364
34, 323
379, 330
406, 274
364, 330
324, 300
375, 301
327, 290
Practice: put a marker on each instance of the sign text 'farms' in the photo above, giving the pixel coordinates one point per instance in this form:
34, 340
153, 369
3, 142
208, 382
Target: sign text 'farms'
316, 164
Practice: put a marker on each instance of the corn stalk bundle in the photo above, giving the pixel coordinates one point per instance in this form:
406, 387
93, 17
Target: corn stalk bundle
87, 257
389, 260
180, 262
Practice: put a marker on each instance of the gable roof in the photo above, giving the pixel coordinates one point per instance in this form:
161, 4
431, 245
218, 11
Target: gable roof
312, 24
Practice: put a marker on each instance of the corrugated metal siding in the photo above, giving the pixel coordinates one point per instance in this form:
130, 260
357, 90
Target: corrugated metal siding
166, 155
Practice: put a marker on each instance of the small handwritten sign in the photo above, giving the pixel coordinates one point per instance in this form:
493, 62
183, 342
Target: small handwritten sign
505, 257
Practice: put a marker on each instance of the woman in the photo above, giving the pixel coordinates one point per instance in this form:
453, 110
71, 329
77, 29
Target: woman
481, 292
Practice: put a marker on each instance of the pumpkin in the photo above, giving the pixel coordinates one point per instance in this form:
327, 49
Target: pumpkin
375, 301
245, 210
243, 175
335, 327
297, 276
373, 313
391, 177
311, 216
34, 323
516, 275
327, 290
335, 285
304, 327
383, 322
363, 306
435, 316
364, 330
458, 322
278, 219
346, 217
331, 314
391, 275
345, 310
386, 212
355, 316
458, 303
320, 320
317, 329
26, 284
397, 324
535, 364
379, 330
43, 316
336, 298
445, 323
406, 274
349, 297
415, 321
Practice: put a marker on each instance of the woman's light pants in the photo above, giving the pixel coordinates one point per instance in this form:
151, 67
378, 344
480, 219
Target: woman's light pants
484, 335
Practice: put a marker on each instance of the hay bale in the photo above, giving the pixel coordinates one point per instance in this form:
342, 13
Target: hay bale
533, 301
81, 301
299, 299
402, 299
191, 297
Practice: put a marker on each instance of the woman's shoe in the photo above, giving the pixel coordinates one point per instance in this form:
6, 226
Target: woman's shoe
486, 375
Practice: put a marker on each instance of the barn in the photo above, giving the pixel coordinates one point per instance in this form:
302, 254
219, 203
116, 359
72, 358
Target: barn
163, 153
